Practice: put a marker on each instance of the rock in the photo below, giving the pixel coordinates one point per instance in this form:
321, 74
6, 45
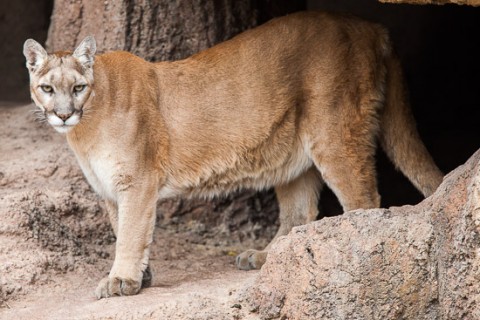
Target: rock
158, 29
441, 2
411, 262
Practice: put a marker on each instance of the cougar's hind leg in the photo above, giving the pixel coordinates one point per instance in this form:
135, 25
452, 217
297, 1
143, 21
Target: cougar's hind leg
297, 201
350, 173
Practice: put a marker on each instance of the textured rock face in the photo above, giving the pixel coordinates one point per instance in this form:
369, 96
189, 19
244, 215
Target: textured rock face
411, 262
441, 2
157, 29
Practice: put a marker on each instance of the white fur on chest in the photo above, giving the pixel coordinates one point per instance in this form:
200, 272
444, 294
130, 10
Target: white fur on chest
99, 169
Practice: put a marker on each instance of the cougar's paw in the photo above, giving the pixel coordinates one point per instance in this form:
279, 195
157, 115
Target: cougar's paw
147, 277
251, 259
109, 287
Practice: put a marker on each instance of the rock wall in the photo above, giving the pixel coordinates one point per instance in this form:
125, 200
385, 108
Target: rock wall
158, 29
411, 262
440, 2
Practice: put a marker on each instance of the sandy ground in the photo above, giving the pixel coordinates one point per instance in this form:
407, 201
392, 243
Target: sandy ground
216, 296
56, 243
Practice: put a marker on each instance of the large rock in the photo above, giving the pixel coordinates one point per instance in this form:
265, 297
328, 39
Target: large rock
157, 29
440, 2
411, 262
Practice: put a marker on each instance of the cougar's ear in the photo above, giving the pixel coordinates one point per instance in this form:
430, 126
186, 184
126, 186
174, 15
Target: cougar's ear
35, 54
85, 52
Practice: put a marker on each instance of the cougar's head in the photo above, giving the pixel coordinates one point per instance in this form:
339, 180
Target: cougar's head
61, 83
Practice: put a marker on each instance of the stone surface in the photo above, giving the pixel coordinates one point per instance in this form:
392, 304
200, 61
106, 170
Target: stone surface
474, 3
159, 29
411, 262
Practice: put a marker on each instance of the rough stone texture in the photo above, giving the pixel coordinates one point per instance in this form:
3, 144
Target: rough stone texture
158, 29
51, 222
474, 3
411, 262
154, 30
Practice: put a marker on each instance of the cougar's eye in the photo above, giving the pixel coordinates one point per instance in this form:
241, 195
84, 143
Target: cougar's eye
79, 88
46, 88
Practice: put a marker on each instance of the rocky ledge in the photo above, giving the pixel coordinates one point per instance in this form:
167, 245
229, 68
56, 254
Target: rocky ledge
410, 262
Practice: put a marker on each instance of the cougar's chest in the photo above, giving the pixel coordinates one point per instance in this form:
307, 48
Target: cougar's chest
99, 169
100, 173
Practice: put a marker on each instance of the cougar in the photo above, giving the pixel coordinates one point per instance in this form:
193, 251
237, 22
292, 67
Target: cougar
294, 104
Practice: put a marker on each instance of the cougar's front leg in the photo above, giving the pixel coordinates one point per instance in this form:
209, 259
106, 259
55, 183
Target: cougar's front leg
112, 210
135, 225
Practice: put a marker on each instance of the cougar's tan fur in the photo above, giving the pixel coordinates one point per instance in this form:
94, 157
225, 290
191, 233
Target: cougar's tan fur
297, 102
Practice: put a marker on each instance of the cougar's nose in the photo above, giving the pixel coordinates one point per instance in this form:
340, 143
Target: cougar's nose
63, 115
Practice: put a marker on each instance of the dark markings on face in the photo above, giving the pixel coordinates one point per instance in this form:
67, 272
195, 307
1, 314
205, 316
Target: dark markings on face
58, 59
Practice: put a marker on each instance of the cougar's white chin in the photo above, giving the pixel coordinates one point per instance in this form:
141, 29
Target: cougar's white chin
63, 126
63, 129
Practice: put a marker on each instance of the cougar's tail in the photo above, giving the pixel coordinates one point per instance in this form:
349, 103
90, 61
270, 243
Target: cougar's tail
399, 136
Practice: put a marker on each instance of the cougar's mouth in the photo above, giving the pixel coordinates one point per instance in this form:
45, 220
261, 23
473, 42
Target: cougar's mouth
63, 128
63, 123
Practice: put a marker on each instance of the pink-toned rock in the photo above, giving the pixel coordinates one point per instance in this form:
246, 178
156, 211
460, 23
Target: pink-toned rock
411, 262
474, 3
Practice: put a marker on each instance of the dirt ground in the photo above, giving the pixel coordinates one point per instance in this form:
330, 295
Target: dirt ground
56, 242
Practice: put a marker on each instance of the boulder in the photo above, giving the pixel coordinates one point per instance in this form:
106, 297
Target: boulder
410, 262
474, 3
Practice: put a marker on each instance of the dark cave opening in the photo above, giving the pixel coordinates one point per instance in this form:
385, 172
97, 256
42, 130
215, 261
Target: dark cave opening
440, 52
